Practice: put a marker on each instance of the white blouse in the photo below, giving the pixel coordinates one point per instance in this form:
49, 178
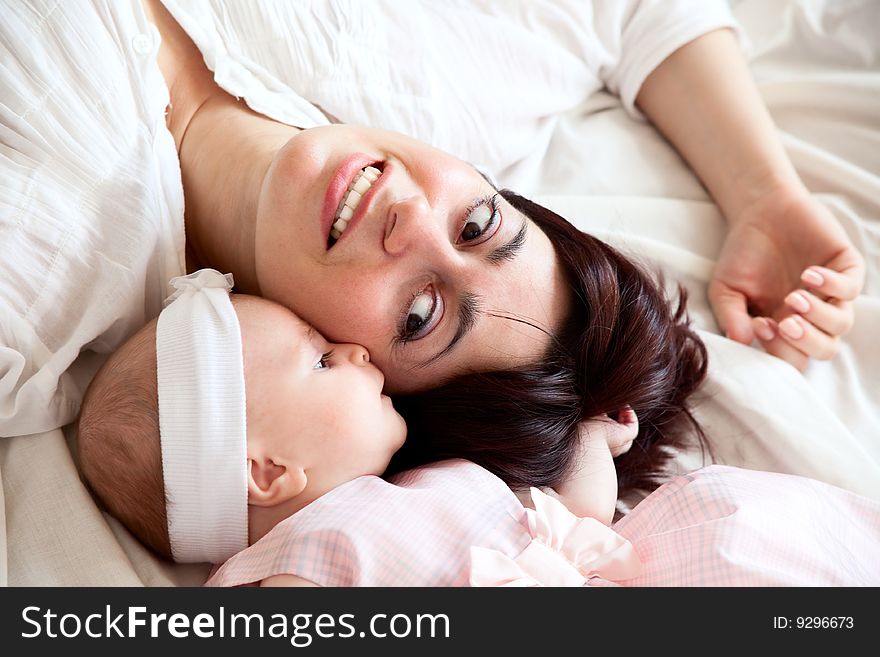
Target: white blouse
91, 199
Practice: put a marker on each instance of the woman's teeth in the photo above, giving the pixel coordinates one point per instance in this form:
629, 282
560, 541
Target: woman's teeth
356, 190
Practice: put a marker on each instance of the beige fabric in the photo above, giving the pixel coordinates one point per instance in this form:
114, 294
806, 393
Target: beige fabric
57, 536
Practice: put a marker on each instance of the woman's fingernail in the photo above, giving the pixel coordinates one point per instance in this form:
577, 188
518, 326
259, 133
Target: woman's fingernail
813, 277
764, 330
798, 301
791, 328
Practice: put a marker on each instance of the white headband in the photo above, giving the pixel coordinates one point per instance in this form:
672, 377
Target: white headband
202, 420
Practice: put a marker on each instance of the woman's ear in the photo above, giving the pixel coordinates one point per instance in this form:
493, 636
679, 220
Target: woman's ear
270, 483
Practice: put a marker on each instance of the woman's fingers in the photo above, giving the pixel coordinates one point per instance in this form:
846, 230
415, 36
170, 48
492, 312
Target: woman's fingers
833, 317
813, 331
845, 285
730, 308
767, 333
822, 313
805, 337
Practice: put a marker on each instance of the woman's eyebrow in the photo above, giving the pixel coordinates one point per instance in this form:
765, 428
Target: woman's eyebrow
468, 312
469, 303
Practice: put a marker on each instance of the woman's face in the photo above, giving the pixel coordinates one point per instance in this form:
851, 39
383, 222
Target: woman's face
433, 272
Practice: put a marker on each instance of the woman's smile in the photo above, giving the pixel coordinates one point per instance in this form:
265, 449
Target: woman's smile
348, 194
360, 186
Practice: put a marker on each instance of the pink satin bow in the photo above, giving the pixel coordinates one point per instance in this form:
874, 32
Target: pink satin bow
564, 551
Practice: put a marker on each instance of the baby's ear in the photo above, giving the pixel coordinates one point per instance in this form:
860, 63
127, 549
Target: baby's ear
270, 483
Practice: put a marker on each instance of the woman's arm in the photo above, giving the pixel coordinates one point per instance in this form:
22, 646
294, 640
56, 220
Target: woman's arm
703, 99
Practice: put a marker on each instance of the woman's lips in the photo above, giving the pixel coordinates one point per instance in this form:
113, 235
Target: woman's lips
366, 200
337, 188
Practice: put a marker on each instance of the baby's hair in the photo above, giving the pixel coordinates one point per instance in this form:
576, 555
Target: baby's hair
118, 441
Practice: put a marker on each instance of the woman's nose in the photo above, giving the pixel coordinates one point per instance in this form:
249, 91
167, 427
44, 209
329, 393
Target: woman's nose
411, 226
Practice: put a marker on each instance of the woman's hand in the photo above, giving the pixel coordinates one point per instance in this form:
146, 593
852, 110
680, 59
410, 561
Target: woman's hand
787, 275
778, 233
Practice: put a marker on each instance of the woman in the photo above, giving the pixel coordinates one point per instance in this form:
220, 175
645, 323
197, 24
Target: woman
435, 271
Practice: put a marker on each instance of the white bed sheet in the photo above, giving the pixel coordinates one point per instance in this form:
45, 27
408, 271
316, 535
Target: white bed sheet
818, 68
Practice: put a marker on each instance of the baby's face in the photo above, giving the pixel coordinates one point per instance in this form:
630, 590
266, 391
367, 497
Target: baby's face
314, 401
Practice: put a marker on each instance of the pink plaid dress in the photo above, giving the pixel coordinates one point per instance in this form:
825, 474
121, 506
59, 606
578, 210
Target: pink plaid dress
416, 531
453, 524
725, 526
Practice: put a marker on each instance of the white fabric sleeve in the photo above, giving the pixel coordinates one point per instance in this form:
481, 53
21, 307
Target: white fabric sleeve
91, 203
633, 37
216, 29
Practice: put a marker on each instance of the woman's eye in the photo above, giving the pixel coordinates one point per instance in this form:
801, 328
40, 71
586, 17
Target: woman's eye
481, 221
423, 314
324, 361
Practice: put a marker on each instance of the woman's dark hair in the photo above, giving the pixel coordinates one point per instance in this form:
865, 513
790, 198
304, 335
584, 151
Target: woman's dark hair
622, 344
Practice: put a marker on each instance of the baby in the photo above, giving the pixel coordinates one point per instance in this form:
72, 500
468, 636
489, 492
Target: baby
197, 469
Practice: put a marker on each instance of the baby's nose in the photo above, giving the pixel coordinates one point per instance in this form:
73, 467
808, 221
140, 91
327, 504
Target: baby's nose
357, 354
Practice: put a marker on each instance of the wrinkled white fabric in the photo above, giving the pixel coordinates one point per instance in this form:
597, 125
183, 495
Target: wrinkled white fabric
461, 88
91, 202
